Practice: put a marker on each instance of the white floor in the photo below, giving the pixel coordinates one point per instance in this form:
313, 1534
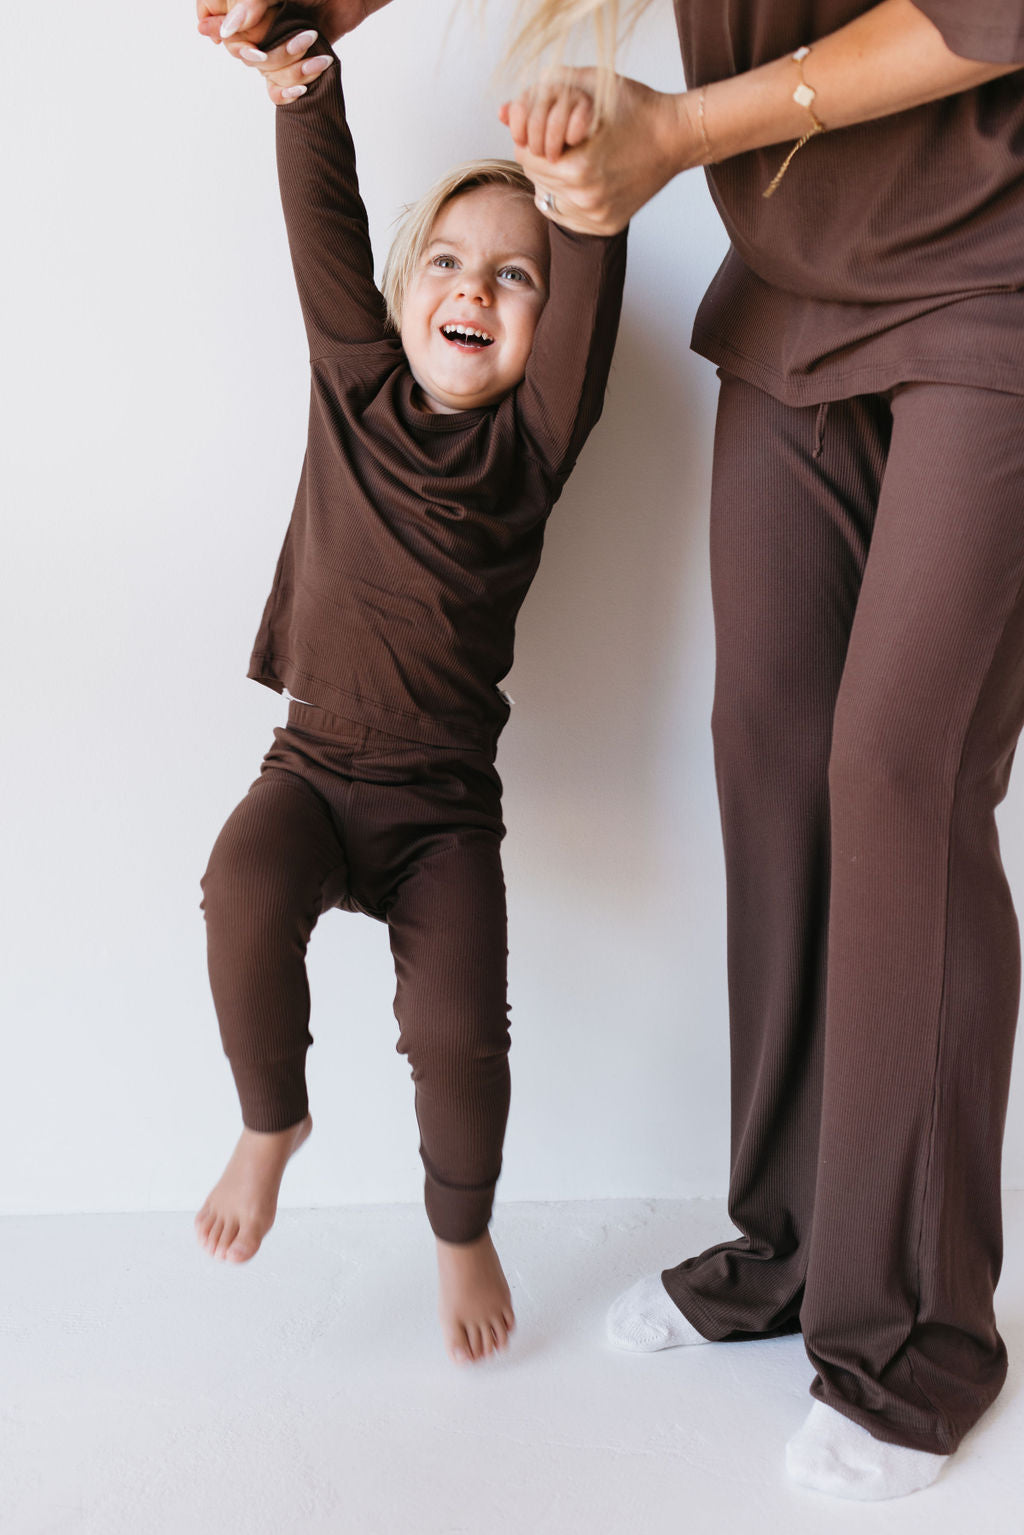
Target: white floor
147, 1390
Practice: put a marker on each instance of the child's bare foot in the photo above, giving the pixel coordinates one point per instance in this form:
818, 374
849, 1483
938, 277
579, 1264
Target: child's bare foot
474, 1301
240, 1211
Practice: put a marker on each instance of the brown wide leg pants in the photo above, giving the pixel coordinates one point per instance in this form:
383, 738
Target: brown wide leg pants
868, 582
343, 815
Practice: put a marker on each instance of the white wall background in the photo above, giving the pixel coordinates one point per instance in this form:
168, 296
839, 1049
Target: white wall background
154, 405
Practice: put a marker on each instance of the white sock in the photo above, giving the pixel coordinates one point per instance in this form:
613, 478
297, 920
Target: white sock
645, 1318
833, 1454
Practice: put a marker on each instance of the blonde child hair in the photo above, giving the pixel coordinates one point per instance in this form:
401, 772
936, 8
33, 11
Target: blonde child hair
419, 218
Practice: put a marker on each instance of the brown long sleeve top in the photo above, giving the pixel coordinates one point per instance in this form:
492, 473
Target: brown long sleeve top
894, 249
414, 536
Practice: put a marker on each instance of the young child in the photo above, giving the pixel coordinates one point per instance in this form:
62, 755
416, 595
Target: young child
446, 415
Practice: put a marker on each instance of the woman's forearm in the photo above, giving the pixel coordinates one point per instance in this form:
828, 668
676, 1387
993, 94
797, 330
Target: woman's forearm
887, 60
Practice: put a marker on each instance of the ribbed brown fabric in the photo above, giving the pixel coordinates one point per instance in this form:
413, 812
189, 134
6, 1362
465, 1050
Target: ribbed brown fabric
412, 544
868, 580
343, 815
415, 536
892, 249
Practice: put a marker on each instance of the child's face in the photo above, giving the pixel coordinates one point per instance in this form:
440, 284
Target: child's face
484, 268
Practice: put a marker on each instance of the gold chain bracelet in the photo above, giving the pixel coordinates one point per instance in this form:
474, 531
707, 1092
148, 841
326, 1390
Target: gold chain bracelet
702, 120
804, 96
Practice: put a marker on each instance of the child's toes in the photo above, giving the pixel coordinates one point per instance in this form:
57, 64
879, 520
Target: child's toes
499, 1333
244, 1246
458, 1346
227, 1236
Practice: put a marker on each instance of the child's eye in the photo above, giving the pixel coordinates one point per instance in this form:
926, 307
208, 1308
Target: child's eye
515, 273
444, 261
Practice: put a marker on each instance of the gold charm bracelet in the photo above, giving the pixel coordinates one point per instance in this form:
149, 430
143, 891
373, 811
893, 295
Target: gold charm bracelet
804, 96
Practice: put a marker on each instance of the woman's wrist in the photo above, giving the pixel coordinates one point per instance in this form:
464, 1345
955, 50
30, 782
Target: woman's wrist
678, 134
751, 110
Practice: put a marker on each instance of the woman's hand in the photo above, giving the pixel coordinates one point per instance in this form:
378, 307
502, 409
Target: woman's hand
249, 20
285, 70
598, 179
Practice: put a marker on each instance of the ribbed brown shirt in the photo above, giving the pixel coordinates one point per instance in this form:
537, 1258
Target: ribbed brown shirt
893, 250
414, 536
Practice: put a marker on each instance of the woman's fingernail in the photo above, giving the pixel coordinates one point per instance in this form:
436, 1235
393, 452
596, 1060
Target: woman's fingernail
233, 22
300, 43
293, 92
315, 66
252, 55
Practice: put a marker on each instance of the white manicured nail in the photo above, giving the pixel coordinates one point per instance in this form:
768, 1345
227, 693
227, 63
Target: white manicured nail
293, 92
234, 21
315, 66
252, 55
300, 43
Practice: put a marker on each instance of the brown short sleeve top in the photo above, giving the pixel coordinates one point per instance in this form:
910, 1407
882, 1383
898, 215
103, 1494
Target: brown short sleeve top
894, 249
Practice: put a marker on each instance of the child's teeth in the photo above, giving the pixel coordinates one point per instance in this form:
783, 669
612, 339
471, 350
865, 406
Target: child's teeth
466, 330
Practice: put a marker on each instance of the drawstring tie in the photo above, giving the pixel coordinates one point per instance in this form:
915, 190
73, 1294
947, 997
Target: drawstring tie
819, 429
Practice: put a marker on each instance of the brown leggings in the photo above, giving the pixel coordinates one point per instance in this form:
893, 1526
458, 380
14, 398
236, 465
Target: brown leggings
867, 570
343, 815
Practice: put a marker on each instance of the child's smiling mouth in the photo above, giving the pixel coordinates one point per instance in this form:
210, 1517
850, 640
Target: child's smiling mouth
466, 337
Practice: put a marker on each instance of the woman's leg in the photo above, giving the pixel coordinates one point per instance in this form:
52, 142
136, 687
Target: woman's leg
793, 501
923, 963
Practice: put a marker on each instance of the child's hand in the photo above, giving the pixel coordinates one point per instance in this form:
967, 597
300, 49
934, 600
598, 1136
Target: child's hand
284, 69
550, 118
597, 182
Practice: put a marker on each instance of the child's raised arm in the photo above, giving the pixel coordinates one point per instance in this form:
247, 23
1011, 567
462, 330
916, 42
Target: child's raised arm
562, 394
324, 214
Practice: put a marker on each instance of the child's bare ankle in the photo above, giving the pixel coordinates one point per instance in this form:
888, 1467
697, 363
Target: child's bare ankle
475, 1305
241, 1208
